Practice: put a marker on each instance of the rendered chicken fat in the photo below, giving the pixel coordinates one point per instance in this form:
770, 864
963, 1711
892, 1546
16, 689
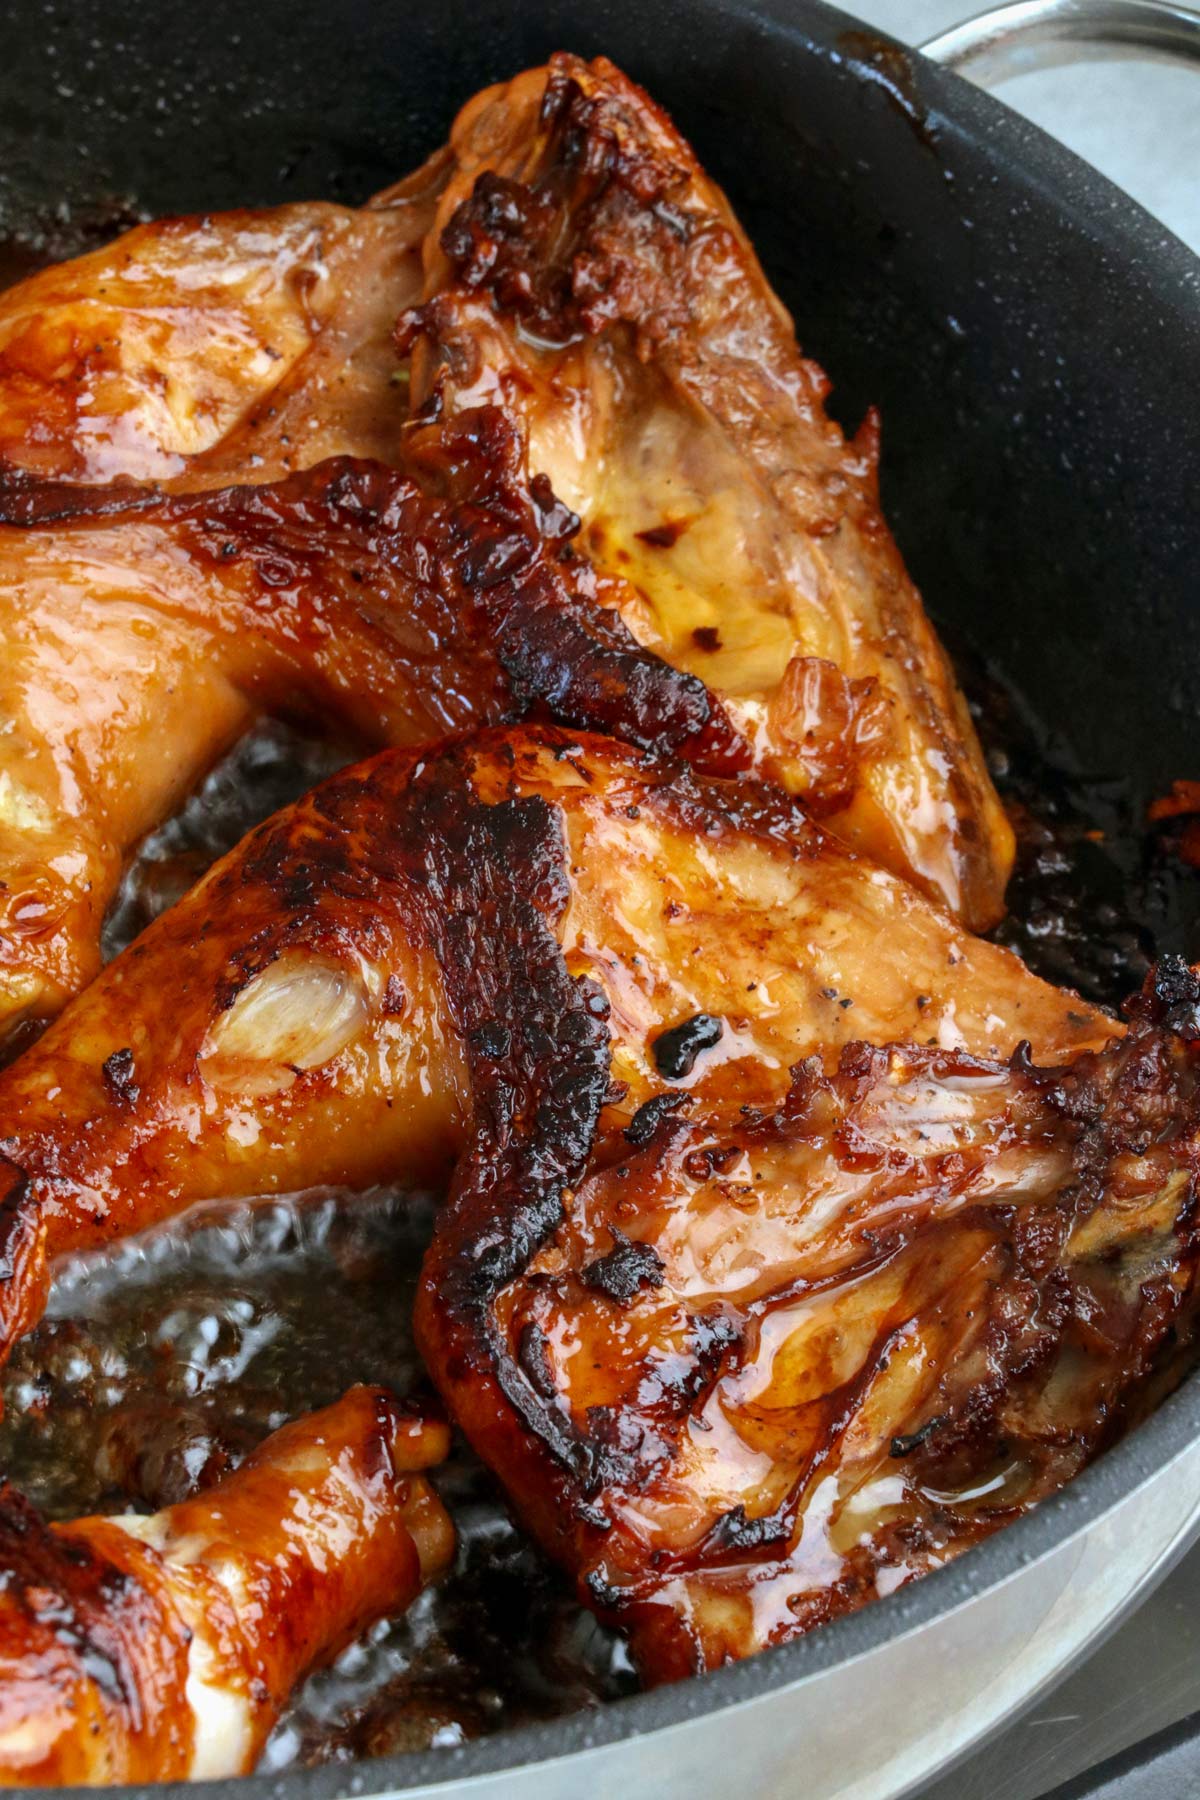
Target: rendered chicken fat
675, 897
790, 1238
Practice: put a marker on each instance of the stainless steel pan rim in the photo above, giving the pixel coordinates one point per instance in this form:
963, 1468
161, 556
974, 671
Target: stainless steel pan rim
953, 105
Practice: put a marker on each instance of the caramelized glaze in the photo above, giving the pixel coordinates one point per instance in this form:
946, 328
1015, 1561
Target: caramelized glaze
158, 1647
168, 1361
589, 274
144, 631
752, 1375
289, 1021
777, 1266
192, 351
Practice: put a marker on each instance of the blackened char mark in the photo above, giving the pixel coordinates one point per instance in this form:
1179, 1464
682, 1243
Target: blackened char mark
735, 1532
904, 1444
625, 1269
677, 1051
1170, 998
651, 1114
117, 1072
491, 882
583, 665
567, 248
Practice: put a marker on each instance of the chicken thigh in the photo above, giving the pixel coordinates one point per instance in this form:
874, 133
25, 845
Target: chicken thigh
142, 632
761, 1373
195, 351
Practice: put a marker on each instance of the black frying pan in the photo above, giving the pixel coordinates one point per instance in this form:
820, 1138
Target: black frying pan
1033, 340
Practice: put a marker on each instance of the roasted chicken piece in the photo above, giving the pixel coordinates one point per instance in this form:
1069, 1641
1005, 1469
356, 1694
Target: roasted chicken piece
587, 271
154, 1648
142, 632
196, 351
295, 1020
746, 1377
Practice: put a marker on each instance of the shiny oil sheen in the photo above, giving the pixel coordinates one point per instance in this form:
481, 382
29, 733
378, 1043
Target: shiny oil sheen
170, 1357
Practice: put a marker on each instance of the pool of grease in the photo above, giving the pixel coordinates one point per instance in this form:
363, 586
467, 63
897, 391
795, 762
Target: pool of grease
1097, 892
161, 1363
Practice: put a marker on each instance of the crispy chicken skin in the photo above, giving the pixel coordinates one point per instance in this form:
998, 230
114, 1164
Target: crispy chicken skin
142, 632
746, 1377
587, 271
144, 627
198, 350
153, 1648
289, 1022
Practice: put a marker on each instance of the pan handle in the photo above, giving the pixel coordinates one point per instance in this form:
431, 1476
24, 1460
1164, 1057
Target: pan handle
1042, 34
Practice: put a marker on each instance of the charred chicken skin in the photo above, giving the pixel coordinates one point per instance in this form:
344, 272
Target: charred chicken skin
587, 272
289, 1022
144, 631
192, 353
161, 1647
369, 579
795, 1239
745, 1347
759, 1374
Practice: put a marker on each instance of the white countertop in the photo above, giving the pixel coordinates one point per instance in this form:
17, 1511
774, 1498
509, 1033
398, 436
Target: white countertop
1138, 121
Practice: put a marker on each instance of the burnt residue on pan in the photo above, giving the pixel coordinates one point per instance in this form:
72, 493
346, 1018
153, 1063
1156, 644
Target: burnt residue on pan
187, 1347
1099, 888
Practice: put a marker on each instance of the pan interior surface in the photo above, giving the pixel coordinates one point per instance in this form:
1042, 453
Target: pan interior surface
1032, 340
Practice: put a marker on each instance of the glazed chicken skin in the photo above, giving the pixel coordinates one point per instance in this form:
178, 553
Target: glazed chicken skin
163, 1647
795, 1238
143, 633
231, 346
585, 270
759, 1375
237, 347
288, 1024
144, 630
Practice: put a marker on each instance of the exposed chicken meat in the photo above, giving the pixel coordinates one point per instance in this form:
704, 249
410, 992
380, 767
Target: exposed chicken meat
156, 1648
756, 1376
588, 272
289, 1022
